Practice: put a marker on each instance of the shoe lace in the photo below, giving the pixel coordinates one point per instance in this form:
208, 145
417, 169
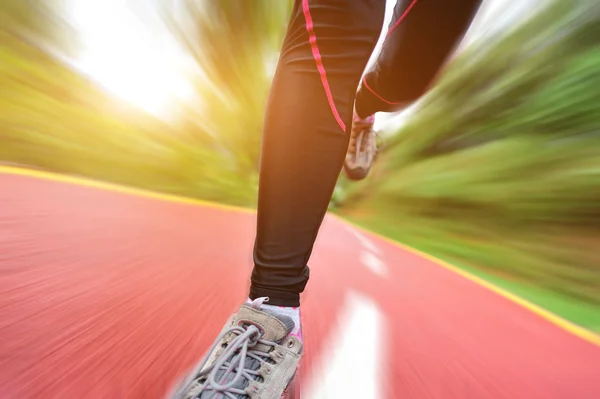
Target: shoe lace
242, 347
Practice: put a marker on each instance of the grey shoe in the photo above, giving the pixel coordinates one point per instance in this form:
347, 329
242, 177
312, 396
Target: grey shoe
254, 357
362, 148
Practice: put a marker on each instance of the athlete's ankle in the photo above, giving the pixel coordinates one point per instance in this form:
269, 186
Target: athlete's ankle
291, 311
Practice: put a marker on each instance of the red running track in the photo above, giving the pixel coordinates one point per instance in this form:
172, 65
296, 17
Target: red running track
111, 295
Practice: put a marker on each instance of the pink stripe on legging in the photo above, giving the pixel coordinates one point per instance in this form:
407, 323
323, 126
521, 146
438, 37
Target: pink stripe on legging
364, 80
317, 56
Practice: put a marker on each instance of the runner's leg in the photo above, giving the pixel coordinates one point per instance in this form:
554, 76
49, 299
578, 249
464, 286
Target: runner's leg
306, 131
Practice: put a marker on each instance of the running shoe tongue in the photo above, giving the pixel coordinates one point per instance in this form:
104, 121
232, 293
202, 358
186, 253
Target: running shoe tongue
274, 327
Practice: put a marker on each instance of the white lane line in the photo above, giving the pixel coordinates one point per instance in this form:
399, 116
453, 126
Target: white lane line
365, 242
374, 264
351, 365
369, 256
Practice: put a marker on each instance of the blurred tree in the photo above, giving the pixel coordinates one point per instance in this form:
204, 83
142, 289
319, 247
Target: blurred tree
235, 44
38, 23
55, 118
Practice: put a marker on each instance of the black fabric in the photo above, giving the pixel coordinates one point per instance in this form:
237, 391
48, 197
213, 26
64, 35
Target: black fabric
413, 53
304, 146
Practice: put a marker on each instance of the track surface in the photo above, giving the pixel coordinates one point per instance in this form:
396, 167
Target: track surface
110, 295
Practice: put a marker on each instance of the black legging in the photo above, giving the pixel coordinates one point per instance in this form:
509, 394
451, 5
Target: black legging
309, 114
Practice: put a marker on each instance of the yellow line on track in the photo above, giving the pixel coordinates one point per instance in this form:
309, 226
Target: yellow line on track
560, 322
86, 182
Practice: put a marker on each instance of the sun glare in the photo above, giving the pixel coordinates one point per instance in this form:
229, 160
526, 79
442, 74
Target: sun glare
130, 58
